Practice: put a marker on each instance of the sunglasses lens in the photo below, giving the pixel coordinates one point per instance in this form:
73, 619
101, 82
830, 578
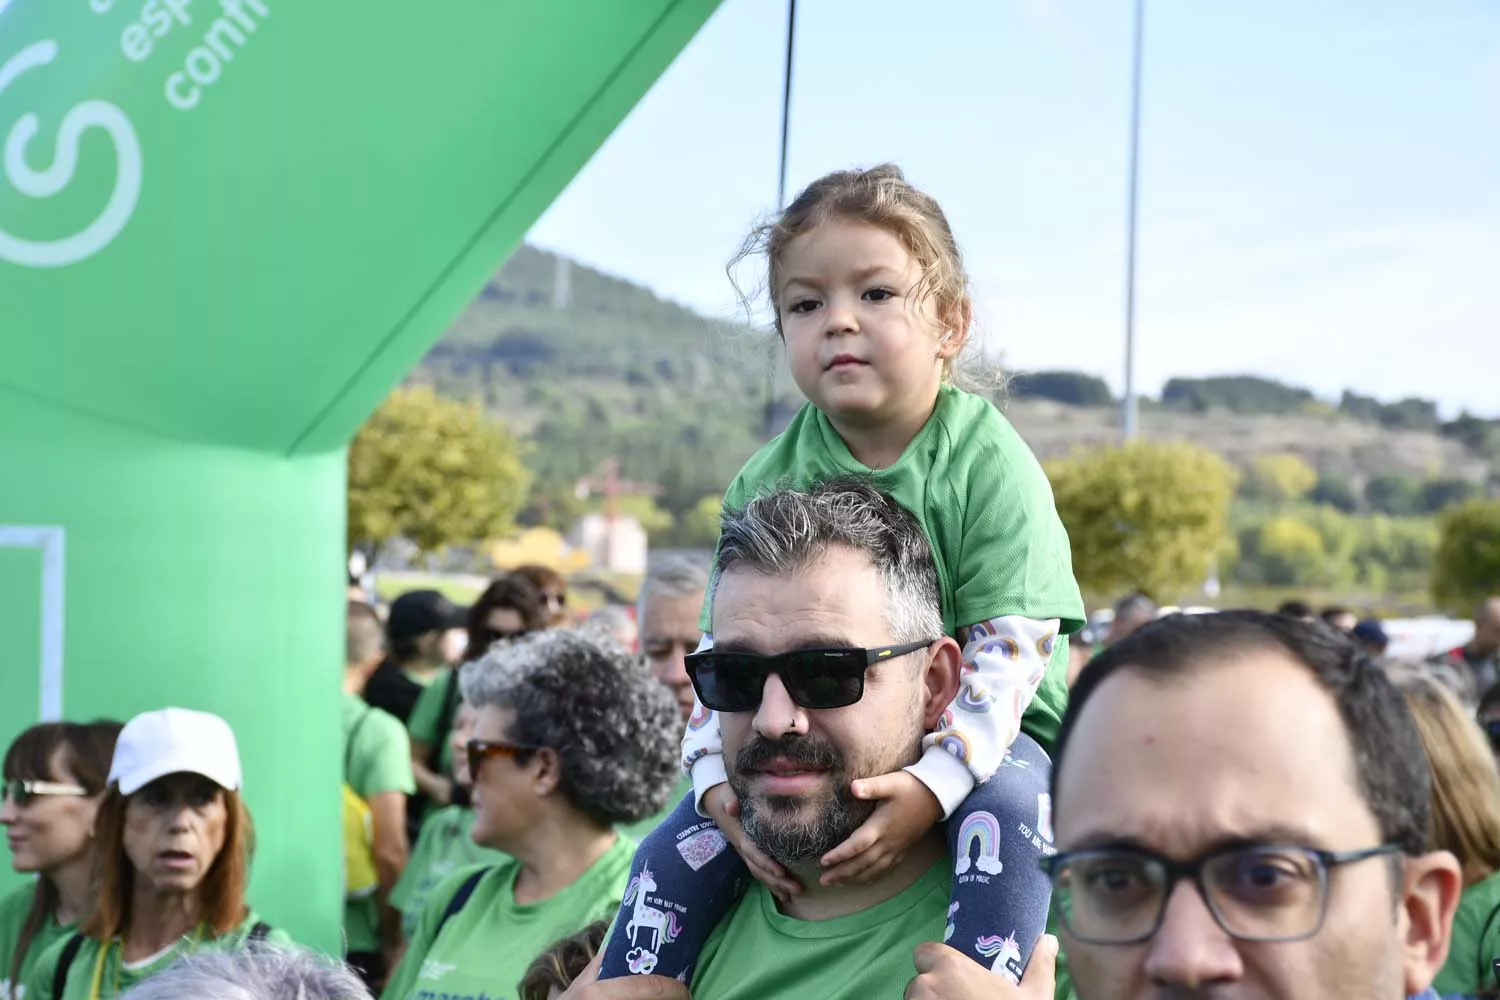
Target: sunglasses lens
825, 679
15, 790
730, 682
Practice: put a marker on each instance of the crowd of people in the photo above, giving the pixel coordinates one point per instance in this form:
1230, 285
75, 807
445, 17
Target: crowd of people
853, 755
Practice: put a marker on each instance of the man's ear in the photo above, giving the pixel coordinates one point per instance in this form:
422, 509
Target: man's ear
940, 678
1430, 891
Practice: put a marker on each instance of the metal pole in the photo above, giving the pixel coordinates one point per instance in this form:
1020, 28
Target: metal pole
1130, 416
786, 121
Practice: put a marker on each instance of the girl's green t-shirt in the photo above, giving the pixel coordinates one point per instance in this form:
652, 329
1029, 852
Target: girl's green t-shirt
13, 911
98, 973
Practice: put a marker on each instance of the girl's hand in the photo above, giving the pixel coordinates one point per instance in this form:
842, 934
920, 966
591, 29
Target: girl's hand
945, 974
907, 810
724, 809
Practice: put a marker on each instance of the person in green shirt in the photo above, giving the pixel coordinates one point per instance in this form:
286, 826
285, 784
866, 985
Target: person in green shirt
572, 736
672, 592
510, 606
54, 779
445, 844
829, 643
173, 840
1466, 823
870, 297
377, 767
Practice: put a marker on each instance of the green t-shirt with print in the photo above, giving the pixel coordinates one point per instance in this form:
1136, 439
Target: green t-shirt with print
485, 948
638, 831
443, 847
759, 953
14, 909
377, 760
427, 716
1475, 943
102, 964
987, 510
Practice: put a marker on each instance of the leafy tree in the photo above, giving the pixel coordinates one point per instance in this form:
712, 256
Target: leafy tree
434, 471
1440, 494
554, 505
1480, 436
1146, 516
1466, 565
1236, 393
1334, 489
1279, 479
699, 527
1394, 494
1072, 388
1287, 552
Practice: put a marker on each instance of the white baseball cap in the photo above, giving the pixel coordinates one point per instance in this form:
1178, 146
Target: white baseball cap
175, 741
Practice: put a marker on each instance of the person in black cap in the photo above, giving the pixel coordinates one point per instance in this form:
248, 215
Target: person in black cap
1371, 636
415, 629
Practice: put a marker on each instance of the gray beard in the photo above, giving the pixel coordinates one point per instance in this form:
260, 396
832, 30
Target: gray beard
798, 845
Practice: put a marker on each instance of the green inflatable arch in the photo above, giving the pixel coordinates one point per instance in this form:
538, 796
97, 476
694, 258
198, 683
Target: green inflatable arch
227, 229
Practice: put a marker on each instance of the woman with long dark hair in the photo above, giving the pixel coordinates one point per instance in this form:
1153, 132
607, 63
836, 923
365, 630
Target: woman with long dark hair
54, 779
510, 607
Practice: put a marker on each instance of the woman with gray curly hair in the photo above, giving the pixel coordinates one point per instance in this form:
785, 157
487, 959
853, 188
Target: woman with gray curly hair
573, 736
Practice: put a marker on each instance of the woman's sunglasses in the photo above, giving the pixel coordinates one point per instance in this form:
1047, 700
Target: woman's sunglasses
1492, 730
480, 751
815, 678
22, 792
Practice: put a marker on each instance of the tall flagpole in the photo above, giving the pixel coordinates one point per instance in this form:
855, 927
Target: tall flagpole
786, 122
1130, 416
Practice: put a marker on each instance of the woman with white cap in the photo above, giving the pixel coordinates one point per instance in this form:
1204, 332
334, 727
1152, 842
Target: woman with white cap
173, 844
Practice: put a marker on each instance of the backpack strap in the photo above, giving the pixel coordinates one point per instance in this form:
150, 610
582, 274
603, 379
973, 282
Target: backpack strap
258, 933
459, 898
1489, 965
64, 963
445, 720
349, 743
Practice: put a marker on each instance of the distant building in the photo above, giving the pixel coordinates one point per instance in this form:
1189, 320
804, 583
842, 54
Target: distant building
615, 545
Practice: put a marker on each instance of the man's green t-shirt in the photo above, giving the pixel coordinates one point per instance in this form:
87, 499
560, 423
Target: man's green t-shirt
427, 716
13, 911
96, 961
443, 847
378, 760
1475, 943
759, 953
485, 948
987, 510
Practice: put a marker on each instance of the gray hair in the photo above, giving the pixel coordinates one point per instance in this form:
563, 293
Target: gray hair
1136, 605
255, 972
674, 575
780, 532
364, 634
615, 729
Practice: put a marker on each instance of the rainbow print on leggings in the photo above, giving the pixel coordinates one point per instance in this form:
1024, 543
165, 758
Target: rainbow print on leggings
980, 828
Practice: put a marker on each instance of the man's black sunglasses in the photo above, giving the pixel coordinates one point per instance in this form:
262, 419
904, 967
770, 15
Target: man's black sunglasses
815, 678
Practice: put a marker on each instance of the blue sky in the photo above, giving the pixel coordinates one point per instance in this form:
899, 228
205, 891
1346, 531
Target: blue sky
1320, 187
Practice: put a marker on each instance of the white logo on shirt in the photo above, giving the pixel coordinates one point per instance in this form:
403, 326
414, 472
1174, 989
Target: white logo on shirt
433, 969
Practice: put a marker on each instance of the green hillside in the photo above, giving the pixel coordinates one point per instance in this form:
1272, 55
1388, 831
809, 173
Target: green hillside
585, 366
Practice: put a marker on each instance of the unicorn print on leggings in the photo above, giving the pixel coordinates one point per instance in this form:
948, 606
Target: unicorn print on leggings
980, 828
662, 924
1005, 952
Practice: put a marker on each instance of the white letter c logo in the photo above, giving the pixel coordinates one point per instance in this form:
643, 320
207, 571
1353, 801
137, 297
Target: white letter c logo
46, 183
